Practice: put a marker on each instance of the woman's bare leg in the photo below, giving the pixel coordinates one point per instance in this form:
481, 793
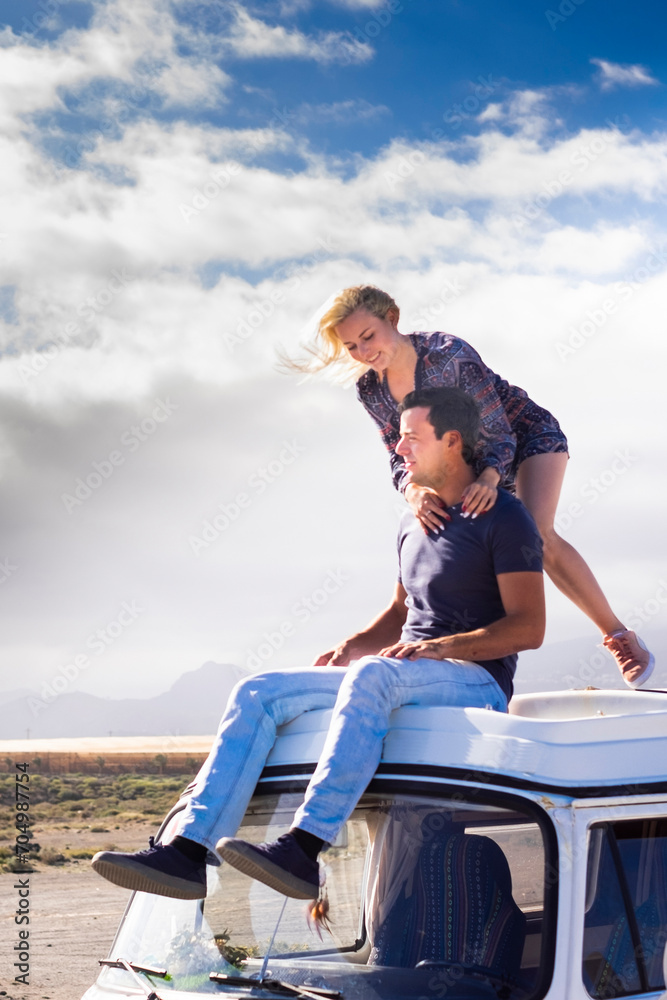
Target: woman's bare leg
538, 484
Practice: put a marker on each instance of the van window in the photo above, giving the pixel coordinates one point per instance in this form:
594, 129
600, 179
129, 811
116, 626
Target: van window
427, 896
625, 928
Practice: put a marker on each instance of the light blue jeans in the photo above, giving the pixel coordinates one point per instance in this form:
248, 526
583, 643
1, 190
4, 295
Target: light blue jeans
362, 696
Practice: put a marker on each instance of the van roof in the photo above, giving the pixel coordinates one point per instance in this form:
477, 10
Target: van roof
576, 743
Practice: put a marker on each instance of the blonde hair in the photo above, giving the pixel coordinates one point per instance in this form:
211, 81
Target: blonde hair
329, 349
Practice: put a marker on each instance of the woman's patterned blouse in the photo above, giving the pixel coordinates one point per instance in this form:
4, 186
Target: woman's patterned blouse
443, 360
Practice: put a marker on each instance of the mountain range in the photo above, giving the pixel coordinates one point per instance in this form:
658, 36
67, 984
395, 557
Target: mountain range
194, 703
191, 707
580, 663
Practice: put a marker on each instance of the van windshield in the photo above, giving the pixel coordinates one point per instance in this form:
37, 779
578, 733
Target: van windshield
427, 897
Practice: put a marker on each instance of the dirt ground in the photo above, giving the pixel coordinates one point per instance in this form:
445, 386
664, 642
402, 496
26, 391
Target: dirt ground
74, 915
73, 919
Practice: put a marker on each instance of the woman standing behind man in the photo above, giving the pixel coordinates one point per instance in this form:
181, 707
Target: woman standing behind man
522, 444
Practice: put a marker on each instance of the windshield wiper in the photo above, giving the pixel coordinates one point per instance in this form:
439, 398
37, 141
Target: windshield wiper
276, 986
133, 968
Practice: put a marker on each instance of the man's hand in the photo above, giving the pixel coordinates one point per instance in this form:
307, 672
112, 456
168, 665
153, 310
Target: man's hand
386, 627
338, 657
429, 649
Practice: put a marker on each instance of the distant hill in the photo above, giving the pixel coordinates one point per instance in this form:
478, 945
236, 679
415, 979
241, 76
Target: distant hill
192, 707
579, 663
195, 702
14, 695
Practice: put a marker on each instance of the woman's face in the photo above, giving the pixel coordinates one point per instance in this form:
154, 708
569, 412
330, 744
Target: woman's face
372, 341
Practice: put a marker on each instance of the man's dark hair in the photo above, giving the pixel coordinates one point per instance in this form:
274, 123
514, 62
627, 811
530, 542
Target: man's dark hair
450, 409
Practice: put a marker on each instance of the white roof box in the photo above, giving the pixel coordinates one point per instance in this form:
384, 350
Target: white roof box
576, 743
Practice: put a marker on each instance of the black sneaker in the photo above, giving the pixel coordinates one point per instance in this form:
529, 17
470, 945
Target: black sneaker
282, 865
162, 870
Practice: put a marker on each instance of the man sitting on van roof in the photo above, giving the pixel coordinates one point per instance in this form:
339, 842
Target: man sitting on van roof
467, 599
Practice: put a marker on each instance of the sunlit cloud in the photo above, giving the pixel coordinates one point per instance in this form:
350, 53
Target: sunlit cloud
612, 75
252, 38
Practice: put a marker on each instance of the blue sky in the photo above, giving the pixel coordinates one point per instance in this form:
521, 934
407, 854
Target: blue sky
414, 63
184, 185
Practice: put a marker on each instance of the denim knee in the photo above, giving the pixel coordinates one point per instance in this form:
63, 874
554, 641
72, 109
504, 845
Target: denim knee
263, 688
371, 675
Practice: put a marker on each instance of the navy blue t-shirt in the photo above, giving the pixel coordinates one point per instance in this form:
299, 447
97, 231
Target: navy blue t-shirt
451, 576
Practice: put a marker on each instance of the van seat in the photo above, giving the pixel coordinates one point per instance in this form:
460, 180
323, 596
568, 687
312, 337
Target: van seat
456, 906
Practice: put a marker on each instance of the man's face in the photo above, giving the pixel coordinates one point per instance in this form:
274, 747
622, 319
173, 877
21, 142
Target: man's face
425, 457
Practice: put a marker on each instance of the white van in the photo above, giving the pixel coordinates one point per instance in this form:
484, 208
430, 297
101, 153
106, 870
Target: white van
492, 856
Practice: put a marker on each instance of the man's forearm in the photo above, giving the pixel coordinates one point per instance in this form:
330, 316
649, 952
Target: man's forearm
522, 627
383, 630
380, 632
377, 634
502, 638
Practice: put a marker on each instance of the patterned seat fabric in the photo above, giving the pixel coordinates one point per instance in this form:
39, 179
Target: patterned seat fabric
611, 964
457, 907
615, 972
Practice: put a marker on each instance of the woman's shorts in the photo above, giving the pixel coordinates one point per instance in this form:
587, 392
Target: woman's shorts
537, 433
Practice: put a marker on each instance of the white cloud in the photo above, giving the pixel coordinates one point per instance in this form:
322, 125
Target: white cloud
197, 199
251, 38
195, 304
358, 4
36, 77
531, 112
491, 113
341, 112
292, 6
520, 166
603, 251
612, 75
